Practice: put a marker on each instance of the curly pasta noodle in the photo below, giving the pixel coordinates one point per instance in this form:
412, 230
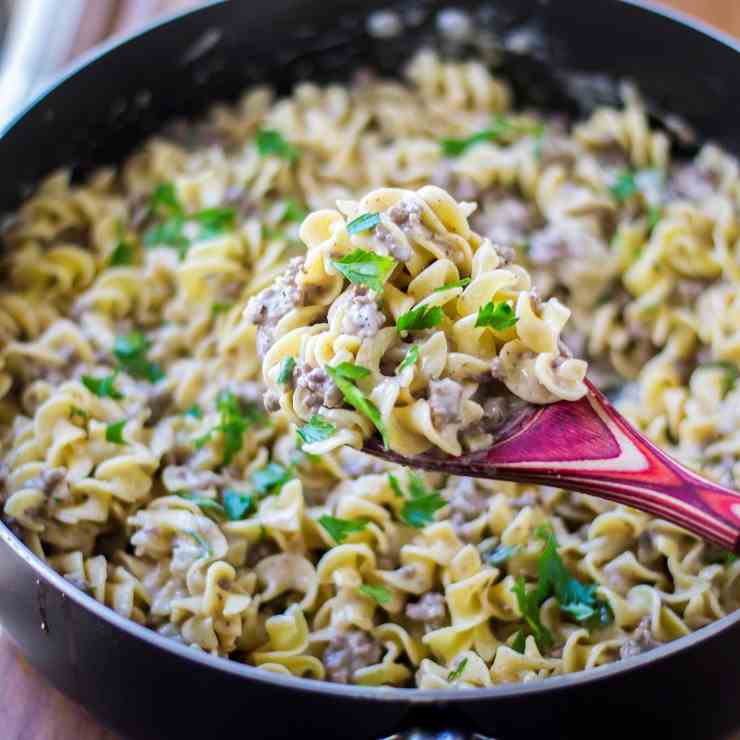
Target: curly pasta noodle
137, 457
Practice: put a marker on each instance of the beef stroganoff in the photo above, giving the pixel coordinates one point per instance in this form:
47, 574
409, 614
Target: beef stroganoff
403, 264
138, 457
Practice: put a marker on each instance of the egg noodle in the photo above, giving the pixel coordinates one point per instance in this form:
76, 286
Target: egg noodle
137, 455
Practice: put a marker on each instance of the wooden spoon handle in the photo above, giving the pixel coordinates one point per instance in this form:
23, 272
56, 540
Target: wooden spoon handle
588, 446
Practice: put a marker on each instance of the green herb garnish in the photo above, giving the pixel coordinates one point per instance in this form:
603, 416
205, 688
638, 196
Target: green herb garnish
123, 252
215, 221
409, 360
204, 546
363, 223
76, 411
350, 371
529, 605
498, 316
217, 308
365, 268
237, 505
625, 186
461, 283
103, 387
130, 350
421, 317
500, 554
395, 485
207, 505
285, 374
654, 214
501, 130
339, 529
271, 478
317, 430
356, 398
458, 671
419, 509
520, 642
294, 212
195, 411
164, 201
380, 593
114, 432
270, 141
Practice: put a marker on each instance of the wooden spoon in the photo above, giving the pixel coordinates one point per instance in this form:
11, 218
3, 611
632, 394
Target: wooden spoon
588, 446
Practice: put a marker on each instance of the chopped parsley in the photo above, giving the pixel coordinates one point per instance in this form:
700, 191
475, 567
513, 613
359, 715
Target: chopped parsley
123, 252
114, 432
410, 359
76, 411
163, 200
215, 221
340, 529
730, 376
217, 307
236, 419
103, 387
625, 186
271, 478
380, 593
395, 485
207, 505
421, 505
365, 268
355, 397
317, 430
270, 141
350, 371
458, 671
499, 555
130, 350
529, 605
195, 411
498, 316
237, 505
519, 642
501, 130
207, 552
293, 212
285, 373
463, 282
363, 223
421, 317
654, 214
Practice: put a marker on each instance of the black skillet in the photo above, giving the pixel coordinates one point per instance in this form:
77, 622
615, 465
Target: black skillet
149, 687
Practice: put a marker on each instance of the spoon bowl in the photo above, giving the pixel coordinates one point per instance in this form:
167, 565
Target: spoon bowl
589, 447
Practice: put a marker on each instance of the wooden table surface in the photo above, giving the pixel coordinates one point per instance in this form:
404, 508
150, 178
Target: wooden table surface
31, 709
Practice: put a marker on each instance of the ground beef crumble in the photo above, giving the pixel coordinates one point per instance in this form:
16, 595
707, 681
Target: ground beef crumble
347, 653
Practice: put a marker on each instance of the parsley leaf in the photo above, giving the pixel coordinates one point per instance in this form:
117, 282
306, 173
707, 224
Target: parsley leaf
457, 284
237, 505
103, 387
356, 398
207, 505
575, 598
458, 671
498, 316
215, 221
217, 307
236, 419
207, 552
339, 529
163, 201
409, 360
500, 554
731, 374
363, 223
317, 430
501, 130
195, 411
170, 233
625, 186
529, 605
114, 432
654, 214
421, 317
420, 508
294, 212
520, 642
380, 593
130, 350
285, 374
365, 268
395, 485
123, 252
271, 478
76, 411
270, 141
350, 371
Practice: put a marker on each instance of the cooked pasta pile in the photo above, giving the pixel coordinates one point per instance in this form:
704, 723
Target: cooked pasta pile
138, 459
338, 329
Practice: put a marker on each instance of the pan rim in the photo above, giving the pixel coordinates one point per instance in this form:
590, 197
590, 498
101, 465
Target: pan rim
407, 696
